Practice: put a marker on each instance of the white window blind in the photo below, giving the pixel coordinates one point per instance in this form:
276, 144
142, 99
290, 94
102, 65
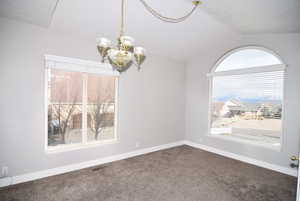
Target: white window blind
78, 65
256, 86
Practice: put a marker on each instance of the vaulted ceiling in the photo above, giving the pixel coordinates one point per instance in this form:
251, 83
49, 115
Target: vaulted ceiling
30, 11
257, 16
212, 22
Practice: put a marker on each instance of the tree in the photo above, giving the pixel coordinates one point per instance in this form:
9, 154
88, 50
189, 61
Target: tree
62, 113
102, 100
98, 113
65, 88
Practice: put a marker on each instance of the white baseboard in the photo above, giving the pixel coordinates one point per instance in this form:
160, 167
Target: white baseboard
68, 168
277, 168
6, 181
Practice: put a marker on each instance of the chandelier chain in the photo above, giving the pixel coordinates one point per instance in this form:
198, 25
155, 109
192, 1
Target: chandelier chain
169, 19
122, 17
125, 54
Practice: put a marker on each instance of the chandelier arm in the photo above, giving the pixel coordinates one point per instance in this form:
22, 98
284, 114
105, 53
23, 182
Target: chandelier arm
169, 19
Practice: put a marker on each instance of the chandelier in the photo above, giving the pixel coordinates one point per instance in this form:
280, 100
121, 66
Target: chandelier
125, 54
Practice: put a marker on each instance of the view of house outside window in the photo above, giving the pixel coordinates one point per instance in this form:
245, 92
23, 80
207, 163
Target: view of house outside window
248, 105
81, 107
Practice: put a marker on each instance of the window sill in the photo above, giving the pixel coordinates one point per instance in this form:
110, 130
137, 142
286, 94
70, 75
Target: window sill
273, 147
78, 146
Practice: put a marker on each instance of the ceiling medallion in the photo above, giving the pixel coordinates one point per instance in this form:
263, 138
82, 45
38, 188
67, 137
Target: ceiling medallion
125, 53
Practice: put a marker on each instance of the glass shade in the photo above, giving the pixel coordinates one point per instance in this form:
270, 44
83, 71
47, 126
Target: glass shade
103, 45
120, 59
126, 43
140, 55
103, 42
139, 51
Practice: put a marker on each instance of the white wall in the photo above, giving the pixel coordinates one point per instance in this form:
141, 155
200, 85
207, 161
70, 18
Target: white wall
151, 103
197, 90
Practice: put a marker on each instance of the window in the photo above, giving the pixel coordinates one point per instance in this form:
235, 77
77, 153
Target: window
246, 97
81, 103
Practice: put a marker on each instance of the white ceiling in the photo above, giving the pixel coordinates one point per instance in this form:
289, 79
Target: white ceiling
212, 23
93, 18
37, 12
257, 16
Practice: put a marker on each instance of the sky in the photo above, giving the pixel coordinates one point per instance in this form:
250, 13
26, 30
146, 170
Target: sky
247, 58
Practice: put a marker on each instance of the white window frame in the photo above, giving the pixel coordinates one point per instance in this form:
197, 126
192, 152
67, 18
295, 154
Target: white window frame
256, 69
83, 66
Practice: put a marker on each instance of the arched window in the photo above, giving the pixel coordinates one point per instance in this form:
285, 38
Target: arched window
246, 96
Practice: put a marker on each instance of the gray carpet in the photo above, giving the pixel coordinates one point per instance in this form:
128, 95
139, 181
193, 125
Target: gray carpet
178, 174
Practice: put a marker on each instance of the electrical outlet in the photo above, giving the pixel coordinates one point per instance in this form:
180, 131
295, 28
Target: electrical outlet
4, 171
137, 144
